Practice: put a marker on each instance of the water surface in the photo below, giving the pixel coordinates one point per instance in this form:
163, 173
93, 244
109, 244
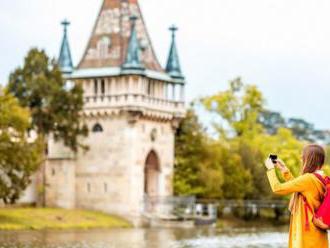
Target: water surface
148, 238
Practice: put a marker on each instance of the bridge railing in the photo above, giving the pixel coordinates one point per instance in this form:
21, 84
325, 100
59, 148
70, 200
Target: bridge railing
186, 208
248, 203
169, 207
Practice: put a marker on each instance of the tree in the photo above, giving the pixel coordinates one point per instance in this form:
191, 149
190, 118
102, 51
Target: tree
241, 125
271, 121
19, 157
230, 165
54, 107
206, 167
238, 181
301, 128
239, 107
196, 171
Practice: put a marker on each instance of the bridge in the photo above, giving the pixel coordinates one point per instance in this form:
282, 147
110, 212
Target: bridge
199, 211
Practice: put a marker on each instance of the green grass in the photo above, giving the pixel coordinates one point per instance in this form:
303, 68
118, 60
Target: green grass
48, 218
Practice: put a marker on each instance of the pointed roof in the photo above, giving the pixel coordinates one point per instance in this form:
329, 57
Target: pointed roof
133, 60
110, 38
173, 67
65, 59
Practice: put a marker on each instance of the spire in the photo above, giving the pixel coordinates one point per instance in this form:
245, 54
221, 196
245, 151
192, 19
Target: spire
108, 43
133, 61
65, 59
173, 67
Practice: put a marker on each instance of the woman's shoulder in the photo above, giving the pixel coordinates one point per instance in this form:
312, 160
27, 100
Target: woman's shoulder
314, 179
308, 177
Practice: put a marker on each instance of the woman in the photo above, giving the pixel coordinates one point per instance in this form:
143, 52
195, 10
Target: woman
308, 192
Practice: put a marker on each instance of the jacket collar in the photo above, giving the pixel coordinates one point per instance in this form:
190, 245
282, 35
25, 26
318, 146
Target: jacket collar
319, 172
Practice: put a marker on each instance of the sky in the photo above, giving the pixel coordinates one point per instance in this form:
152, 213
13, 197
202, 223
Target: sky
281, 46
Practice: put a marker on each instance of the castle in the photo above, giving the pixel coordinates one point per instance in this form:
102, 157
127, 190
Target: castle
132, 107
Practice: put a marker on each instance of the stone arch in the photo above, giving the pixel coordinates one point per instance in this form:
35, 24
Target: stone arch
152, 174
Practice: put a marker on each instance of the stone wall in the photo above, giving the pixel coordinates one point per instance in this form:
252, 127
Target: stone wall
59, 188
110, 176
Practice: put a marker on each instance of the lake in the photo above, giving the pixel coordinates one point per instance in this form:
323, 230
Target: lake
148, 238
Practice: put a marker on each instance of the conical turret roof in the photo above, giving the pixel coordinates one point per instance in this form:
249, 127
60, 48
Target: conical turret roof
173, 67
65, 59
109, 42
133, 61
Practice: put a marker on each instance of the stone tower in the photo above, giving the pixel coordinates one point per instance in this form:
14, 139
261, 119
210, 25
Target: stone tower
132, 109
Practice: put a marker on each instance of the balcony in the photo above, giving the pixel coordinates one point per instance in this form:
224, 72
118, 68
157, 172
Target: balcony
134, 102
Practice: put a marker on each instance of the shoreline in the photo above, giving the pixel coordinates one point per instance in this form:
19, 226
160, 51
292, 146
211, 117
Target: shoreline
20, 219
39, 219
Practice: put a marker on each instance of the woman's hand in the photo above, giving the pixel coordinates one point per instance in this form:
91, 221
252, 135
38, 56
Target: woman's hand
281, 166
269, 164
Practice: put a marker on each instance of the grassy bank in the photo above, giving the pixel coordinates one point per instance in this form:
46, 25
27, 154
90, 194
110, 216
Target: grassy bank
47, 218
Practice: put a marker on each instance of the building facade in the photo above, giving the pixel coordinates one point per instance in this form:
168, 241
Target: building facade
132, 108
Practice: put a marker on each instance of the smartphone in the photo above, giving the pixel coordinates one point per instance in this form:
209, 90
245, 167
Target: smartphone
273, 157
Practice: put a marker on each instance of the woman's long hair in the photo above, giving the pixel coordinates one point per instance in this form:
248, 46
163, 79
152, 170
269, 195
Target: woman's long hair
313, 158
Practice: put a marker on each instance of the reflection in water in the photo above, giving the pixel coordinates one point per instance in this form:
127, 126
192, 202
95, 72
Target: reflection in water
146, 238
269, 240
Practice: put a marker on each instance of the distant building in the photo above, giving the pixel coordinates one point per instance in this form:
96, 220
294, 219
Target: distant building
132, 108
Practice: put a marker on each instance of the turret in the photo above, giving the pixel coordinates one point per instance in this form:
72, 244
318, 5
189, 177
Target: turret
133, 62
65, 59
173, 67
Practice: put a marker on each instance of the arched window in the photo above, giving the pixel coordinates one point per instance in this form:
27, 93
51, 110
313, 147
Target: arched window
97, 128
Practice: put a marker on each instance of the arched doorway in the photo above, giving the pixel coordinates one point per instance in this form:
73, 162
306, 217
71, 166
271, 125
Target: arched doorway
151, 175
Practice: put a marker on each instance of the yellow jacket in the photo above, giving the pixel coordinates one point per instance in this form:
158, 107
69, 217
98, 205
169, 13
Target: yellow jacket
310, 187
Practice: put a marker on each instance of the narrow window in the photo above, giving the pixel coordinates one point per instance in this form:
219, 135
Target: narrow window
95, 87
105, 187
46, 149
153, 88
89, 187
97, 128
149, 88
53, 172
102, 87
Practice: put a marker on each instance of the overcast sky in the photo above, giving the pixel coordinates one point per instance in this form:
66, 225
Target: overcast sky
282, 46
